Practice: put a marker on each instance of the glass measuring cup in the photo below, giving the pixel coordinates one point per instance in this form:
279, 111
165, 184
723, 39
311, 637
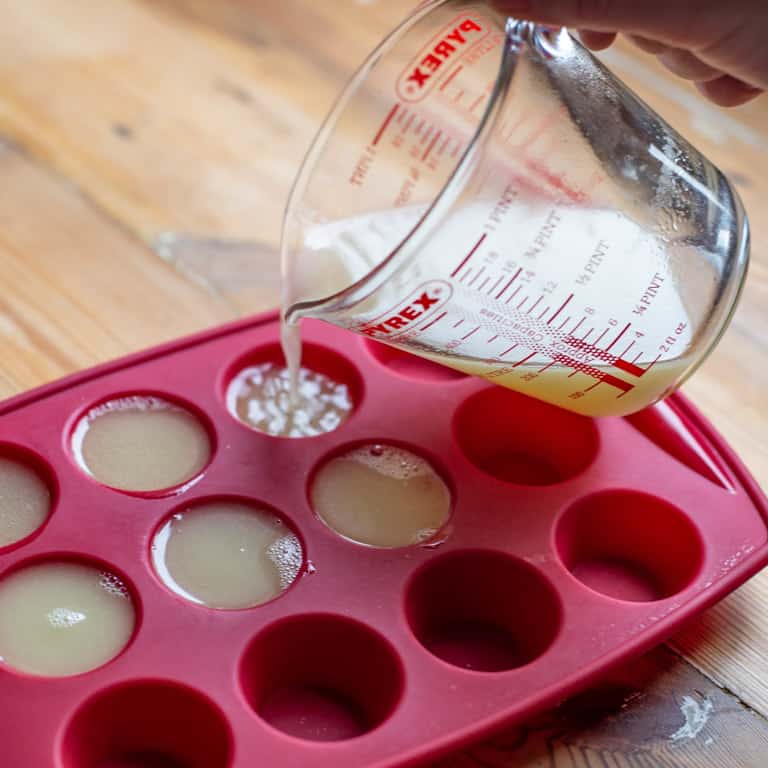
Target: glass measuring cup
487, 195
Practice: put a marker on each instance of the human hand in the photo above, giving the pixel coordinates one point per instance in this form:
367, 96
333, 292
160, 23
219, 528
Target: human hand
721, 46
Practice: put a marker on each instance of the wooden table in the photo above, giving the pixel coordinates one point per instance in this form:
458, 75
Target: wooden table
146, 149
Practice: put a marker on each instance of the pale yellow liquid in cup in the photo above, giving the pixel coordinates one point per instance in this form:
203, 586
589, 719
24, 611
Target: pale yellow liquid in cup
554, 385
61, 619
630, 285
25, 501
383, 496
141, 443
278, 401
227, 554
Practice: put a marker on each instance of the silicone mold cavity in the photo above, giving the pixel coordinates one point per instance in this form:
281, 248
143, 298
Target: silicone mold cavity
322, 677
524, 441
483, 610
629, 545
147, 724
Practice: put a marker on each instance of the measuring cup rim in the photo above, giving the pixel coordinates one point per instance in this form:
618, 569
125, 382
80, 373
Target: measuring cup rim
372, 280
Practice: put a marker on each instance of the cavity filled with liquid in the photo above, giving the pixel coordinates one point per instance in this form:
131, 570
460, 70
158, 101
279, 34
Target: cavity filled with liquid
273, 399
383, 496
25, 501
61, 618
227, 554
141, 443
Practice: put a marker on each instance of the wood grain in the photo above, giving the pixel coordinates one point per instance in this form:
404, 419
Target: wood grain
148, 146
656, 713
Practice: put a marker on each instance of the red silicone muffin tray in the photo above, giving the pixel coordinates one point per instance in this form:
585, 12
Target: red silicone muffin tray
573, 545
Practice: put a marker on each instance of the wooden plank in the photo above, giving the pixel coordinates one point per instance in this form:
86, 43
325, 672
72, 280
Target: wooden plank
656, 713
76, 289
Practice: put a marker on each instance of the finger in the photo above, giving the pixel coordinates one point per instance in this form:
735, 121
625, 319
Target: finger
691, 23
597, 41
648, 45
688, 66
727, 91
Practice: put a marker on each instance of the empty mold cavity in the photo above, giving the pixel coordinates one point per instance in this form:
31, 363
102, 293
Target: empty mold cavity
322, 677
629, 545
26, 495
141, 443
60, 617
147, 725
524, 441
411, 365
381, 495
258, 393
227, 553
483, 611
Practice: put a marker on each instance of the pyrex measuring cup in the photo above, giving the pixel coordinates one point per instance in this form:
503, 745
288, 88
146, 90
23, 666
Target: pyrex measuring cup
487, 195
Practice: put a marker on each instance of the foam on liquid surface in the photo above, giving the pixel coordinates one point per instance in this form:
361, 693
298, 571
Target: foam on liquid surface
141, 443
25, 501
381, 495
227, 554
63, 618
261, 396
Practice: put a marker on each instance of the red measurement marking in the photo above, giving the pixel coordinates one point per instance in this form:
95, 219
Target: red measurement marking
402, 115
629, 346
457, 324
484, 283
509, 282
426, 135
596, 384
495, 285
465, 275
507, 351
479, 272
621, 333
546, 367
525, 298
387, 121
637, 357
564, 323
595, 373
658, 357
555, 180
534, 305
493, 338
431, 146
477, 102
408, 123
443, 146
524, 360
466, 336
543, 312
417, 129
578, 325
624, 386
469, 255
631, 368
432, 322
560, 309
588, 333
597, 340
513, 294
450, 78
